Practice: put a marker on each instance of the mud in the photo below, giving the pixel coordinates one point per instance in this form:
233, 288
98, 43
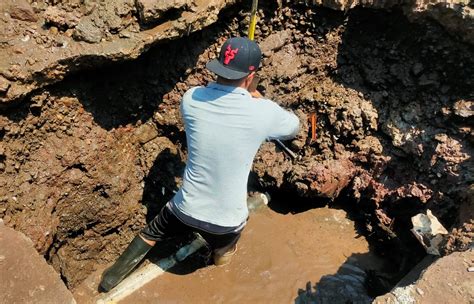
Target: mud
84, 162
275, 262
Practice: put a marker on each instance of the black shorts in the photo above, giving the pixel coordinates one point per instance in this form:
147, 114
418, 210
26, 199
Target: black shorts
166, 225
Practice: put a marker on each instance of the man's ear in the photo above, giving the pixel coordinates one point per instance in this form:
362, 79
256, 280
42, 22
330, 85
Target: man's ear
249, 79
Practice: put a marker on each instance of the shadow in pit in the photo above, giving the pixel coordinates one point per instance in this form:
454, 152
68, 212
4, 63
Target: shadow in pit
286, 202
348, 285
160, 183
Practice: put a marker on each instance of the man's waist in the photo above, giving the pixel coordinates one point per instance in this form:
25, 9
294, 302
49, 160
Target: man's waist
203, 224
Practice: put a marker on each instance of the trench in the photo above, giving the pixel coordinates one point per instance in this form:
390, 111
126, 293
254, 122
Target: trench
89, 160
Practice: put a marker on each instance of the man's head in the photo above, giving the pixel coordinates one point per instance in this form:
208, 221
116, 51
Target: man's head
238, 60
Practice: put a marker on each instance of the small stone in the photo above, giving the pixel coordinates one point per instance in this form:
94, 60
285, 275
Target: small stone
151, 10
4, 84
125, 34
419, 291
22, 10
69, 33
470, 269
53, 30
145, 133
2, 258
88, 31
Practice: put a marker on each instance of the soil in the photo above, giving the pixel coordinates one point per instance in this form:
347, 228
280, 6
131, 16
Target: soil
85, 162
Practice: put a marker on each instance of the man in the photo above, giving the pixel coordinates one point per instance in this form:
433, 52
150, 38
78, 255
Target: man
225, 125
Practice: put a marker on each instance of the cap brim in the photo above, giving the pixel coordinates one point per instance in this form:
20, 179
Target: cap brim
221, 70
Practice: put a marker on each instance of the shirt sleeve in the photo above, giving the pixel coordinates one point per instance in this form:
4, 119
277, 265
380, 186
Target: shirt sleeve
283, 124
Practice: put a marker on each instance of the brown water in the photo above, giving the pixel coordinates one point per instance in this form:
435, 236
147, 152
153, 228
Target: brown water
277, 255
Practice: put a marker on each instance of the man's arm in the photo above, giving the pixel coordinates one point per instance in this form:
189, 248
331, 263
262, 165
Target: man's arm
285, 125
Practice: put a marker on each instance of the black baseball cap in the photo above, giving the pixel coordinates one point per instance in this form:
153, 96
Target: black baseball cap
238, 58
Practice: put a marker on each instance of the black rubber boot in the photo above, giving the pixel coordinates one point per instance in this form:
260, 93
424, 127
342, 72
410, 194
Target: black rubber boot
130, 258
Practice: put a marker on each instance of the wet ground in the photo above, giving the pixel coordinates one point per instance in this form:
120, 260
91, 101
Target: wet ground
278, 255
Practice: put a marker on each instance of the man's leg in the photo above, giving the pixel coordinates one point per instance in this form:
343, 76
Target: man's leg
223, 246
163, 226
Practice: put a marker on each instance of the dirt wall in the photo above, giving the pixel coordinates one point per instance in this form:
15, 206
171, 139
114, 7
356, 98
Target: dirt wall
84, 162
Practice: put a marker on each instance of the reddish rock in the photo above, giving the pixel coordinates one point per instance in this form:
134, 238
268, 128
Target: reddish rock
24, 275
326, 178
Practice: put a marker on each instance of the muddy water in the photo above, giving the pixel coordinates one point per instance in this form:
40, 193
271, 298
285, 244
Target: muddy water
277, 255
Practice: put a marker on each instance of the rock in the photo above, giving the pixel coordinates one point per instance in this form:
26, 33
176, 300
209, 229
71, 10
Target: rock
22, 10
87, 30
274, 42
286, 62
146, 132
324, 179
60, 18
464, 108
428, 231
4, 84
151, 10
24, 275
369, 145
444, 281
102, 19
455, 16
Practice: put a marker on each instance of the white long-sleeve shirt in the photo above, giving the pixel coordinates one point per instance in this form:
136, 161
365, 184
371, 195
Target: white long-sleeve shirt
224, 126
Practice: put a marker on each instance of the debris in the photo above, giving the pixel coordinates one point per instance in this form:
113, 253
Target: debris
429, 231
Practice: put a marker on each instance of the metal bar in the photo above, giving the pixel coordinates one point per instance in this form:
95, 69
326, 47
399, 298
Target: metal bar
253, 19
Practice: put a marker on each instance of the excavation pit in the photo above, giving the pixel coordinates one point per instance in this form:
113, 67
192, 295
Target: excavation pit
86, 161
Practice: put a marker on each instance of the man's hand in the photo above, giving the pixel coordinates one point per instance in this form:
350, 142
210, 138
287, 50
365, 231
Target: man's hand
256, 94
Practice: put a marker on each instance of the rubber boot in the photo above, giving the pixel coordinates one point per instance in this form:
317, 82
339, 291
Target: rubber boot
258, 201
223, 256
130, 258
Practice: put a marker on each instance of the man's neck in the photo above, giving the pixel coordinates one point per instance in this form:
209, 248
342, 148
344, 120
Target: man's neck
231, 83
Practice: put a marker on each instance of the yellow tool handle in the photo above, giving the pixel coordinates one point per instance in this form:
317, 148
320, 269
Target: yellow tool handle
253, 19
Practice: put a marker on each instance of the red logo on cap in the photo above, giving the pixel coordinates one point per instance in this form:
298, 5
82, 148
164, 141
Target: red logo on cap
230, 54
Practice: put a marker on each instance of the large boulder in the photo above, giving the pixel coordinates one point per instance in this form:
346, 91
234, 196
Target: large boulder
25, 277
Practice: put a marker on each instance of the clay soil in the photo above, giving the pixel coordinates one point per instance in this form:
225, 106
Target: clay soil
85, 162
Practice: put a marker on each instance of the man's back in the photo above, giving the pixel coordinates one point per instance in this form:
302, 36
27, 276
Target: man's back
224, 129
